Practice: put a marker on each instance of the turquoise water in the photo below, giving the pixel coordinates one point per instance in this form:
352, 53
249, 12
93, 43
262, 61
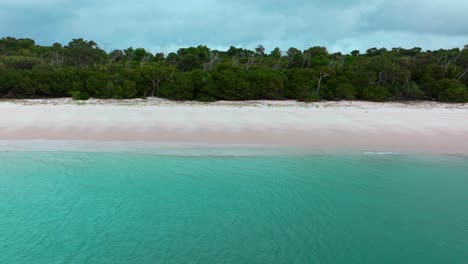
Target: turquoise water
71, 207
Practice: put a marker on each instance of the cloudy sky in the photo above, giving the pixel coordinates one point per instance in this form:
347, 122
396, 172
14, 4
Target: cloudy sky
340, 25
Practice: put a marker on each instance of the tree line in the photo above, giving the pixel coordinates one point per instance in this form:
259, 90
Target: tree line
81, 69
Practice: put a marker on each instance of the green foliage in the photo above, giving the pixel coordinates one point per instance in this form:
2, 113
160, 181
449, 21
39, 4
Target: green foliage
10, 46
345, 91
20, 62
311, 97
232, 84
154, 74
295, 58
306, 93
437, 89
83, 53
265, 84
129, 89
375, 93
451, 91
276, 53
413, 92
316, 56
28, 70
77, 95
205, 89
141, 55
454, 95
189, 62
300, 83
180, 88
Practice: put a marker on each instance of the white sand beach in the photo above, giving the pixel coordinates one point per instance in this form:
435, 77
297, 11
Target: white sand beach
414, 126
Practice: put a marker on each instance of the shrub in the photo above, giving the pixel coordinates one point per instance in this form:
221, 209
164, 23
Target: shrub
77, 95
309, 97
413, 92
345, 91
457, 94
438, 89
375, 93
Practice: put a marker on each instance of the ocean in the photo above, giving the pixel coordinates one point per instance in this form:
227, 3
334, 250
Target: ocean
199, 206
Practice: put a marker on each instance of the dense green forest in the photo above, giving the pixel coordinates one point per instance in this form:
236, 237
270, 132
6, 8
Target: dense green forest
82, 70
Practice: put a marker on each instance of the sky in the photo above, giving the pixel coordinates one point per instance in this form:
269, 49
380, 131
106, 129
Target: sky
164, 26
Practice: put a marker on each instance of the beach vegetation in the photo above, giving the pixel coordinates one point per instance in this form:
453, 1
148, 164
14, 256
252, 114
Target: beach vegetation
82, 69
345, 91
77, 95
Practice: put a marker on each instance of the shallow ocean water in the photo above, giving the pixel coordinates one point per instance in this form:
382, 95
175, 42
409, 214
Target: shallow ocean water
206, 207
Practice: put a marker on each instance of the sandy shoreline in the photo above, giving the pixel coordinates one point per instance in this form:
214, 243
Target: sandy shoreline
417, 127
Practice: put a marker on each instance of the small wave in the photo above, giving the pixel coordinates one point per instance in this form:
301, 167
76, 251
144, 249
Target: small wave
382, 153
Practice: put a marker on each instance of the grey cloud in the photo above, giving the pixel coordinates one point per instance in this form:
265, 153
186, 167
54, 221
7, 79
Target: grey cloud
341, 25
419, 16
30, 22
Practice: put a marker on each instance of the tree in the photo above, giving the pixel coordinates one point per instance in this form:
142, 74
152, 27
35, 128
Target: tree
345, 91
233, 51
266, 84
28, 70
277, 58
159, 57
462, 74
77, 95
295, 59
179, 88
322, 76
317, 51
260, 50
447, 90
204, 87
84, 53
457, 94
57, 57
189, 62
375, 93
96, 84
141, 56
276, 53
10, 46
413, 92
21, 62
156, 73
232, 85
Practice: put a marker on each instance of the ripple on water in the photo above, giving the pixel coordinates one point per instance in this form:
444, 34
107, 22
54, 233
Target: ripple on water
213, 206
